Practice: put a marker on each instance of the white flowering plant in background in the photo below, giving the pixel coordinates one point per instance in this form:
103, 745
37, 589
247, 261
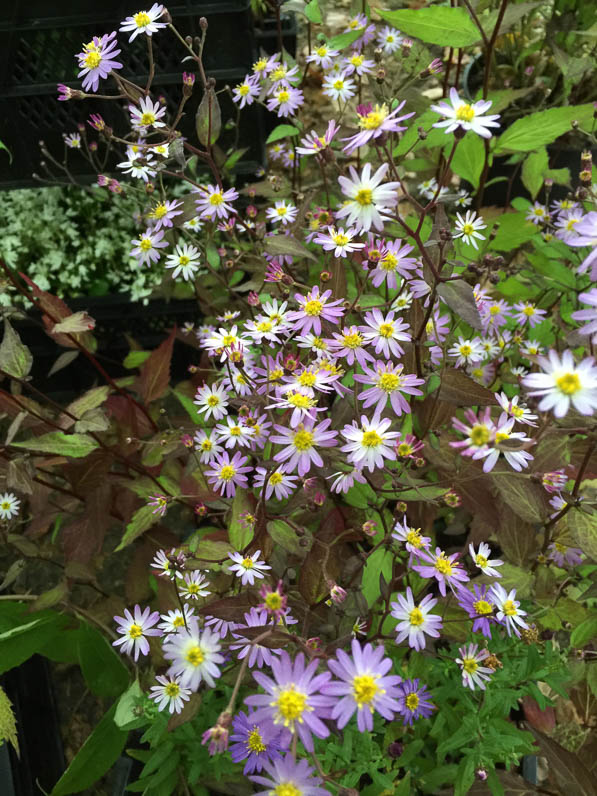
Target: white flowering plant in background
361, 535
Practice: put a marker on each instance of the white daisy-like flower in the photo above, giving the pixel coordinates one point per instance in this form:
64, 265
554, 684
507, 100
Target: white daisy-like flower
194, 656
538, 214
473, 674
148, 114
213, 400
9, 506
389, 39
169, 694
339, 87
513, 408
144, 22
282, 211
247, 568
460, 113
323, 56
193, 584
468, 227
368, 201
233, 433
184, 261
370, 443
339, 241
482, 559
415, 620
563, 383
172, 621
467, 351
508, 609
134, 628
207, 445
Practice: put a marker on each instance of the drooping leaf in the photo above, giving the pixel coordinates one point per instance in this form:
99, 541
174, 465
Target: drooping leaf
125, 717
378, 562
208, 119
525, 498
313, 12
583, 529
450, 27
97, 755
543, 127
460, 390
142, 520
343, 40
74, 445
285, 536
282, 131
50, 598
15, 357
103, 668
155, 373
533, 172
241, 532
284, 244
458, 295
584, 633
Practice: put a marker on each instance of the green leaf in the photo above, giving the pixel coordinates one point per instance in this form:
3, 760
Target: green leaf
450, 27
240, 532
284, 244
285, 536
104, 672
513, 230
425, 493
459, 297
543, 127
97, 755
525, 498
282, 131
211, 252
469, 159
135, 359
533, 171
379, 563
26, 637
233, 159
125, 716
585, 632
342, 40
208, 119
361, 496
15, 357
313, 12
189, 405
76, 446
7, 150
89, 400
142, 520
583, 528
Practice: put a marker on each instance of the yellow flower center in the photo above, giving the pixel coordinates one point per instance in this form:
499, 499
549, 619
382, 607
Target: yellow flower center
374, 118
568, 383
539, 211
283, 96
255, 741
281, 211
248, 563
313, 307
216, 199
443, 566
228, 339
481, 561
561, 548
300, 401
386, 330
307, 379
279, 73
364, 689
147, 118
195, 656
273, 601
501, 436
291, 704
528, 311
412, 701
388, 382
404, 449
142, 19
178, 621
227, 472
356, 60
416, 617
243, 89
470, 665
465, 113
276, 375
389, 262
193, 588
92, 60
517, 411
468, 229
213, 400
339, 84
184, 260
353, 340
260, 65
286, 789
303, 440
135, 631
479, 436
364, 197
371, 439
340, 239
482, 607
321, 51
264, 326
160, 211
146, 244
509, 608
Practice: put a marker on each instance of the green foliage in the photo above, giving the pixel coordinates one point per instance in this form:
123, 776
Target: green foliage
450, 27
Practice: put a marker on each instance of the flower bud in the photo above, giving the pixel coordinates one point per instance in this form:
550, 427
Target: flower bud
380, 75
395, 750
337, 594
401, 506
203, 23
325, 276
149, 188
188, 81
319, 499
481, 774
200, 509
253, 299
369, 528
187, 440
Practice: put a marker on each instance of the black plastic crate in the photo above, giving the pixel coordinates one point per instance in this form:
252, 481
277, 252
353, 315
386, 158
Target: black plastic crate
37, 54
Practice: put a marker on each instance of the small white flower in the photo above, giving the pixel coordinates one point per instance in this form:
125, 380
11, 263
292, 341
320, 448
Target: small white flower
508, 610
467, 351
563, 382
468, 227
462, 114
184, 261
194, 655
169, 694
144, 22
9, 506
368, 202
193, 585
174, 620
282, 211
472, 673
212, 400
339, 87
248, 568
370, 443
482, 559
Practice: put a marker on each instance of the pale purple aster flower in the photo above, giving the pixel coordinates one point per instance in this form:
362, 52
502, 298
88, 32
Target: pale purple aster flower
172, 621
375, 122
368, 202
97, 60
139, 164
233, 433
385, 333
246, 92
409, 447
587, 236
256, 654
444, 568
285, 100
146, 248
589, 315
481, 558
351, 346
220, 626
323, 56
216, 739
287, 776
389, 39
387, 381
300, 445
479, 432
312, 143
194, 655
468, 228
393, 261
508, 610
460, 113
566, 224
304, 407
538, 214
356, 62
162, 214
412, 538
315, 306
293, 697
169, 565
229, 473
563, 382
160, 502
564, 556
247, 568
339, 241
479, 605
310, 379
364, 686
415, 621
213, 400
369, 443
344, 481
517, 459
72, 140
494, 314
519, 411
134, 627
413, 701
282, 74
184, 260
257, 743
338, 87
526, 311
148, 114
472, 673
282, 211
213, 202
193, 585
554, 481
169, 694
144, 22
207, 445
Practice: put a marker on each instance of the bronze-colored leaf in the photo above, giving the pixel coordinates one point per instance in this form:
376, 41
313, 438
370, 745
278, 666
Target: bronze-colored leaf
154, 378
460, 390
569, 771
458, 295
231, 608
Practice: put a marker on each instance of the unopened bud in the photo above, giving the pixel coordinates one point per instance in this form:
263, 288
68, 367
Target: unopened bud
149, 187
337, 594
200, 509
229, 264
406, 47
380, 75
395, 750
203, 23
548, 182
574, 124
585, 176
401, 506
325, 276
422, 133
369, 528
481, 774
378, 54
253, 299
319, 499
